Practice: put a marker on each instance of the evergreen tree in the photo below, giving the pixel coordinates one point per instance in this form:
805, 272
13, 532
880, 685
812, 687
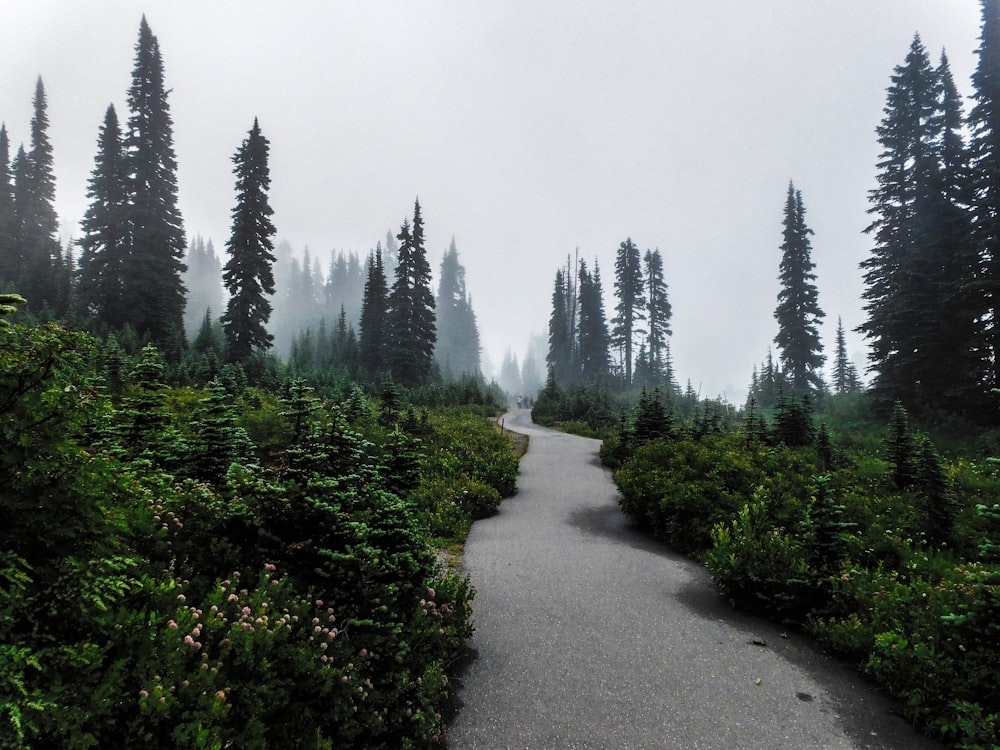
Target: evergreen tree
845, 375
248, 273
457, 346
798, 312
203, 281
560, 355
9, 253
921, 276
105, 242
902, 449
630, 307
510, 374
531, 378
412, 331
984, 120
37, 223
152, 292
217, 438
658, 313
594, 340
374, 343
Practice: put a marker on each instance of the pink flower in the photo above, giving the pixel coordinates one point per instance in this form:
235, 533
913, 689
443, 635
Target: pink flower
269, 566
143, 694
430, 593
172, 625
221, 695
180, 597
189, 640
319, 602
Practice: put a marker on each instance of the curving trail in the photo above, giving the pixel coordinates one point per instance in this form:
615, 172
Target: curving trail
591, 635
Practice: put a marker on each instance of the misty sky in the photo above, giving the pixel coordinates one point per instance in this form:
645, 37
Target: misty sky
528, 129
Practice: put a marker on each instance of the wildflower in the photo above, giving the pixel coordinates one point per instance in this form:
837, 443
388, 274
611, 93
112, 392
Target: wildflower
172, 625
181, 597
269, 566
319, 602
143, 694
221, 695
430, 593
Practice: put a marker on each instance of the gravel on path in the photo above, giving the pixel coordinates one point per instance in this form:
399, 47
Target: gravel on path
590, 634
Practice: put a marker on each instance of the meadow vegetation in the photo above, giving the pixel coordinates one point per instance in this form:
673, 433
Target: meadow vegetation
223, 564
854, 528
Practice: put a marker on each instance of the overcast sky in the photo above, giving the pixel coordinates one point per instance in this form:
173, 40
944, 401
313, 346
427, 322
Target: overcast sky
527, 129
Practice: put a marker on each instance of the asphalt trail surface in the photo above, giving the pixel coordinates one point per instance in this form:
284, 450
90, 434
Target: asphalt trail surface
589, 634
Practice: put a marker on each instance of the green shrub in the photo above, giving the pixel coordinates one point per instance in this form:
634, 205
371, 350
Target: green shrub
758, 565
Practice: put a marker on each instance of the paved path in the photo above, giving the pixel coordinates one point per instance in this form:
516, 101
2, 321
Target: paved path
591, 635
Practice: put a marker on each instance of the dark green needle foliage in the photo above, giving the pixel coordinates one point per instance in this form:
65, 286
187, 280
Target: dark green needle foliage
798, 312
152, 290
630, 308
411, 317
248, 273
104, 247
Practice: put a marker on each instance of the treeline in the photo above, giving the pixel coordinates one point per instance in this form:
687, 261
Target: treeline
128, 274
221, 565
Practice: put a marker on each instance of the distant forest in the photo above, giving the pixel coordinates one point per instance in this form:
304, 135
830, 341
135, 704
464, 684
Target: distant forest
133, 277
932, 278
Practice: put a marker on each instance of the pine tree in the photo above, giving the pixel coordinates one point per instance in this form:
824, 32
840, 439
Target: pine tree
510, 373
658, 313
412, 331
845, 375
798, 312
37, 223
105, 242
984, 120
152, 289
560, 355
457, 346
9, 253
248, 273
630, 307
902, 449
922, 275
374, 321
594, 340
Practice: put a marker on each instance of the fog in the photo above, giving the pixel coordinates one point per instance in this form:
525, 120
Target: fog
527, 130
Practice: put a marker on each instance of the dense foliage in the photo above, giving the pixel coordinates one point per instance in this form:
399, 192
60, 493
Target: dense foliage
883, 549
225, 566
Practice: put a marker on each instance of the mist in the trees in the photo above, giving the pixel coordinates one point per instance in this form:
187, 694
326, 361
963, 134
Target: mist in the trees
203, 281
457, 348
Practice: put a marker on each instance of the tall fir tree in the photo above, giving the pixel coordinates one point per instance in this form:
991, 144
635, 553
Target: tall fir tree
922, 275
630, 305
984, 147
9, 253
457, 347
594, 339
560, 355
104, 245
37, 223
658, 314
153, 292
248, 274
798, 312
845, 375
412, 331
374, 342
